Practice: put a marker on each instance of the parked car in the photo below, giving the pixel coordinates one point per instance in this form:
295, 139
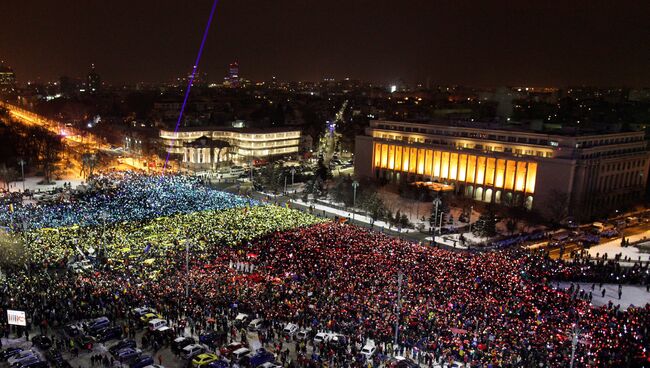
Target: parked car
110, 333
369, 349
35, 364
261, 356
241, 320
21, 356
42, 342
226, 350
204, 359
219, 364
9, 352
121, 345
180, 342
141, 362
255, 325
85, 342
128, 354
192, 350
237, 355
212, 338
290, 329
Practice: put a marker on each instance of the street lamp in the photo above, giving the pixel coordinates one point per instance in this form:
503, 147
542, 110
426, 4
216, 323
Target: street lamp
103, 216
471, 210
187, 268
22, 163
436, 202
355, 185
399, 305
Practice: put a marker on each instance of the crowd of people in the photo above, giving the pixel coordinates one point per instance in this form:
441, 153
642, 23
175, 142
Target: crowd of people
495, 308
116, 197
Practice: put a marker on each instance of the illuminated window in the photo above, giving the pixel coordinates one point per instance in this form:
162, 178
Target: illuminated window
384, 156
520, 182
445, 165
500, 173
480, 170
462, 167
398, 158
377, 154
471, 168
511, 167
413, 160
489, 171
391, 157
436, 164
405, 159
421, 161
453, 166
531, 176
428, 162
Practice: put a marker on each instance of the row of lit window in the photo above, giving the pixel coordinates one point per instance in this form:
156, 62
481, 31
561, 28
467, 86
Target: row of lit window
460, 145
500, 173
267, 152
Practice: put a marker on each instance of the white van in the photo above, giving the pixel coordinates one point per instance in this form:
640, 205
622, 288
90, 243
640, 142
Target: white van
156, 324
255, 324
239, 353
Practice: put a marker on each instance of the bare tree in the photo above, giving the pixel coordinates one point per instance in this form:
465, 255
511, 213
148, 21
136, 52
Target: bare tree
7, 175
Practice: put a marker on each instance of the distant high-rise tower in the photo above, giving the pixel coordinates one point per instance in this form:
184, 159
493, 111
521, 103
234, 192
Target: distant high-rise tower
94, 82
7, 80
232, 79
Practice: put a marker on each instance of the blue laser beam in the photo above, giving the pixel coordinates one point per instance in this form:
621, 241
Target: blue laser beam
191, 81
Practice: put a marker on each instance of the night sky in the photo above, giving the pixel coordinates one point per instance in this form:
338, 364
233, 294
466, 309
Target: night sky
483, 43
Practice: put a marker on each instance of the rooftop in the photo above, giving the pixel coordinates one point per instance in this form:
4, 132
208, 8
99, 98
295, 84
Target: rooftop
238, 130
522, 127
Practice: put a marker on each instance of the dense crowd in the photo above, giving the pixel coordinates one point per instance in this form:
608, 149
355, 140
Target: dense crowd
205, 231
493, 308
124, 196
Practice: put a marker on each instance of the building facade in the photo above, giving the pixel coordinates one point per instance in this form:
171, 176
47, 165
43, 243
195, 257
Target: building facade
7, 80
591, 174
204, 148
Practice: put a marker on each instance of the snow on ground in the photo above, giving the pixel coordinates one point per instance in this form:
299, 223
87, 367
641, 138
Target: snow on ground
613, 248
341, 213
31, 183
453, 240
632, 294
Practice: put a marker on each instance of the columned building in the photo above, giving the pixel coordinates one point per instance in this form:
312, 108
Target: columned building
203, 148
592, 173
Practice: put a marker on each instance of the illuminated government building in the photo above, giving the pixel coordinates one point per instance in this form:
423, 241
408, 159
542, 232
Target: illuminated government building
596, 172
203, 148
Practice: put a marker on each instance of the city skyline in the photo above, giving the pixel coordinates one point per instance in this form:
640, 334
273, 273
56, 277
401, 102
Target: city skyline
487, 45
